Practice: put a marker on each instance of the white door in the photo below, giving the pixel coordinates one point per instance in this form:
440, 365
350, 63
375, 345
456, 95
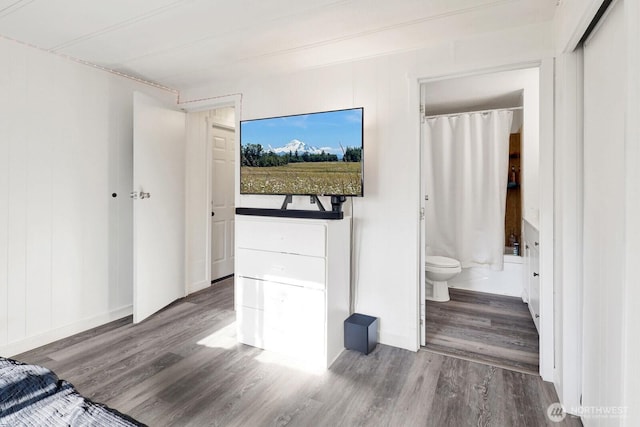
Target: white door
158, 208
222, 167
605, 68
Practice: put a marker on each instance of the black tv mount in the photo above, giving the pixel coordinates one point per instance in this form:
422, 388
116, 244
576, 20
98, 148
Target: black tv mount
321, 213
336, 202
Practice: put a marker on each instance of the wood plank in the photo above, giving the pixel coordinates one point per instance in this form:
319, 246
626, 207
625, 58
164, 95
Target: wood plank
485, 328
182, 367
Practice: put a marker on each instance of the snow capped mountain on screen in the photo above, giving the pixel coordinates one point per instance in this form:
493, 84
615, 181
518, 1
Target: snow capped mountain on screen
293, 146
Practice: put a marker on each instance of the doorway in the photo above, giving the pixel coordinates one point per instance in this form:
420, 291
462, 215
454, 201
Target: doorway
221, 157
516, 88
210, 126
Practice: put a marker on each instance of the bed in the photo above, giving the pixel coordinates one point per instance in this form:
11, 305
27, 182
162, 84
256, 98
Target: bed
31, 395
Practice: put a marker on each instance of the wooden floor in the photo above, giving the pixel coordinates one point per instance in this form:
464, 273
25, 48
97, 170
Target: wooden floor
485, 328
183, 367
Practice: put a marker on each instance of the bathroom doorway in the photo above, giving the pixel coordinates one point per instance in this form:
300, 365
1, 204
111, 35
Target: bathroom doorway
487, 318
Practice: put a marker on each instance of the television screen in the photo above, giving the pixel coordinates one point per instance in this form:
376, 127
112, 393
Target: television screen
305, 154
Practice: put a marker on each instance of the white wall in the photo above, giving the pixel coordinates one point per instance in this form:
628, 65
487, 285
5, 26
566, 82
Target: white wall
386, 219
65, 243
530, 177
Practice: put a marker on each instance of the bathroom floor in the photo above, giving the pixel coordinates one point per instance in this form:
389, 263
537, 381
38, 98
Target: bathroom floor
486, 328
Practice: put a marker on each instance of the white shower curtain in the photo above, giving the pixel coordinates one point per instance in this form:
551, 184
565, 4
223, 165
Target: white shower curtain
466, 169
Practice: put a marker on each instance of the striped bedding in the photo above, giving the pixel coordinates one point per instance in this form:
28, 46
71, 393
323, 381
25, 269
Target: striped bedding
32, 395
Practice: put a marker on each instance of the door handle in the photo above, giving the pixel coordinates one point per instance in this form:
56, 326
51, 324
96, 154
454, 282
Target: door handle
535, 274
142, 195
213, 214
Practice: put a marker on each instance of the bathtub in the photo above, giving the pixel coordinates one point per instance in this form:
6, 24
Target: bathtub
508, 282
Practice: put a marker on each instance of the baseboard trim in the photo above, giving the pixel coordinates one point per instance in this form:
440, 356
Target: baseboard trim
399, 341
30, 343
221, 279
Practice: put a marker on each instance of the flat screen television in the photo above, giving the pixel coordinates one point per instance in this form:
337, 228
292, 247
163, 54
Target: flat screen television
316, 154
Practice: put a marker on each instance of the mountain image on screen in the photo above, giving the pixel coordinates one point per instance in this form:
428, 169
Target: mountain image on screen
311, 154
293, 146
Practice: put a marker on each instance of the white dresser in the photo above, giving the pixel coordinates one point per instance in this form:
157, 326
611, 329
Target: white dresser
292, 285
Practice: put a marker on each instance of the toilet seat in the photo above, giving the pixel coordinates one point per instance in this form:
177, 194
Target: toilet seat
441, 262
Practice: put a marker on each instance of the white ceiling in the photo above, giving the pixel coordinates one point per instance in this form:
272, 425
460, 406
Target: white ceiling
187, 43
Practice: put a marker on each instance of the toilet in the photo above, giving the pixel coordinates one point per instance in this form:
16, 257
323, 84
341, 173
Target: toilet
439, 270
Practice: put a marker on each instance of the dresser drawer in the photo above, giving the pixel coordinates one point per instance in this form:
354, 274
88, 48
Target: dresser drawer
294, 325
249, 293
250, 326
295, 300
291, 269
302, 238
306, 345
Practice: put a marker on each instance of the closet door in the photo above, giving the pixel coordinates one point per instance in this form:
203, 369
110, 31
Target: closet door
604, 209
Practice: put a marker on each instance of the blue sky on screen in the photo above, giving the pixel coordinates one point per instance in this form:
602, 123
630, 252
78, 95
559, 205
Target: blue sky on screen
325, 130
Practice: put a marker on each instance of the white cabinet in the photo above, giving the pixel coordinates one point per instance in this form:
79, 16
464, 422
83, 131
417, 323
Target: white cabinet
292, 285
532, 271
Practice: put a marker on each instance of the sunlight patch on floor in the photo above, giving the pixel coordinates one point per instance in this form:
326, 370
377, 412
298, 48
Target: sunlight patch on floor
289, 362
222, 338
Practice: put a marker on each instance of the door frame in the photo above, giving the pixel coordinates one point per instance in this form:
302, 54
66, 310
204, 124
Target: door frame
195, 106
546, 223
